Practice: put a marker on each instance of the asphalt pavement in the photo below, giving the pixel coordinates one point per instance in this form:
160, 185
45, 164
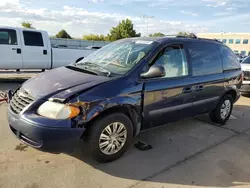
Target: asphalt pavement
190, 153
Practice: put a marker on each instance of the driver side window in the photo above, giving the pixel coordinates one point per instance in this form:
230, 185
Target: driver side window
173, 59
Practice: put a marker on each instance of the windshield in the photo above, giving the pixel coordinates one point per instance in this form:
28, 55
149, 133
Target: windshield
246, 61
119, 57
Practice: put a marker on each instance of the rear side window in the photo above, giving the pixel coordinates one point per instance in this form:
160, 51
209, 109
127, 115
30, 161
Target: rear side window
229, 59
8, 36
205, 58
32, 38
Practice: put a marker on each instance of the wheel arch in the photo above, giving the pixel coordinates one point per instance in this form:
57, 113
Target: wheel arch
231, 92
133, 113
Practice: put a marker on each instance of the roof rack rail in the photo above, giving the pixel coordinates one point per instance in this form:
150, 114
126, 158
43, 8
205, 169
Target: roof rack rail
192, 36
169, 35
210, 39
182, 36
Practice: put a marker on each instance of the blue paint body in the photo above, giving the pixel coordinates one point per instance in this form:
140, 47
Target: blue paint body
151, 103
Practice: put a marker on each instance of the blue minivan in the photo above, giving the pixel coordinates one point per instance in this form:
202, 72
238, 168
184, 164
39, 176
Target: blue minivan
123, 88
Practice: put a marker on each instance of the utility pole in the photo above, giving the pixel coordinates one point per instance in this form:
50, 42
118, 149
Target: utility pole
146, 17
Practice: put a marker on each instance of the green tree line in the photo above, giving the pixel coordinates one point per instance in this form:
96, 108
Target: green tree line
125, 29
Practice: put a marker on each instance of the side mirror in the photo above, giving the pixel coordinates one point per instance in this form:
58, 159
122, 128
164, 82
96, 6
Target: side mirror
154, 72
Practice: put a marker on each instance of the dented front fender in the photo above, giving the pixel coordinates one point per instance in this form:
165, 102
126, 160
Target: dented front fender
93, 109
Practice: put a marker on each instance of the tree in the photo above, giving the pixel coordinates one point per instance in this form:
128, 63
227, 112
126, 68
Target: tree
94, 37
27, 25
63, 34
186, 34
157, 35
124, 29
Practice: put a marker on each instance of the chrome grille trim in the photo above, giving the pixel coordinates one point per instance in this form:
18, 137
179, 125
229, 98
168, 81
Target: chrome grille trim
20, 100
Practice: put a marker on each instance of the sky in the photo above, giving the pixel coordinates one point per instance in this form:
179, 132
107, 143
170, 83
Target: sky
81, 17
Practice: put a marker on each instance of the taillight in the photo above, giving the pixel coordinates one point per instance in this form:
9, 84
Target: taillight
242, 76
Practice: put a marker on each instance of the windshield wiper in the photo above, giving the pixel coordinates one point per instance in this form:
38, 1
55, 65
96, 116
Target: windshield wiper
87, 63
94, 66
82, 70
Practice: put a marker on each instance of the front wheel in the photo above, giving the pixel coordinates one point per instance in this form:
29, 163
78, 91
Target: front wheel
223, 110
110, 137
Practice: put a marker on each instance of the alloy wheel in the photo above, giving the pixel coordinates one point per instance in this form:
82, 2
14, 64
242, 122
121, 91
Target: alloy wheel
225, 109
113, 138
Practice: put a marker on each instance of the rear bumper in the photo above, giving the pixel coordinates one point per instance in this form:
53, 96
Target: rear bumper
42, 136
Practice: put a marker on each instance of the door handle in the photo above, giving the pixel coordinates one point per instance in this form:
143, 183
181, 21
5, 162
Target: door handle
45, 52
18, 50
199, 88
187, 90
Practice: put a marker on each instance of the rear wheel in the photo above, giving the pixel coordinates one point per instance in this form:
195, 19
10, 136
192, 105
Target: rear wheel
110, 137
223, 110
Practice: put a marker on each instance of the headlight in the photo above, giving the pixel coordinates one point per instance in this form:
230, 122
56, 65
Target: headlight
55, 110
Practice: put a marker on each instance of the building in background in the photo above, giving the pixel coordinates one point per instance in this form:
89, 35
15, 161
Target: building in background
238, 42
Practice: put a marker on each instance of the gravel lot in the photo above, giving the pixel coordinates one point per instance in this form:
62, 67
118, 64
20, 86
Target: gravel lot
190, 153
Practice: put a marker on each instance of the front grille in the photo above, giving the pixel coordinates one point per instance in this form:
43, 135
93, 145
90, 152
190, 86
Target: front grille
20, 100
246, 75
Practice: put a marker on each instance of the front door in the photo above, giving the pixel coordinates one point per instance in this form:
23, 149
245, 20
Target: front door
169, 98
10, 49
35, 51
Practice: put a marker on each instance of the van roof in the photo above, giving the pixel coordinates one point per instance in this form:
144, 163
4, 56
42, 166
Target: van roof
174, 38
183, 38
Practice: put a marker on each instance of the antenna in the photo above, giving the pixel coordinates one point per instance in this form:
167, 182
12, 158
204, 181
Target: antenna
147, 18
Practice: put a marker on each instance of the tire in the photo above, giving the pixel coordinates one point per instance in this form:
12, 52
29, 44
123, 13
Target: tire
99, 127
216, 115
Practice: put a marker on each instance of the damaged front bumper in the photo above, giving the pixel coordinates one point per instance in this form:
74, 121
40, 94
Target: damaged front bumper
43, 133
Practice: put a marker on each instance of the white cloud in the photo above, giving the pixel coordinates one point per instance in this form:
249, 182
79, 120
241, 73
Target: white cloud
230, 8
189, 13
8, 5
227, 11
216, 3
228, 4
170, 27
97, 1
78, 21
228, 21
222, 14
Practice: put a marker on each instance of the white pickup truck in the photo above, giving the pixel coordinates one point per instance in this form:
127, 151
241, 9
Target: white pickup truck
22, 48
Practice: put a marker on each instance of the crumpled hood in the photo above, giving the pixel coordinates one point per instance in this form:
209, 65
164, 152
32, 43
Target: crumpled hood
57, 80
